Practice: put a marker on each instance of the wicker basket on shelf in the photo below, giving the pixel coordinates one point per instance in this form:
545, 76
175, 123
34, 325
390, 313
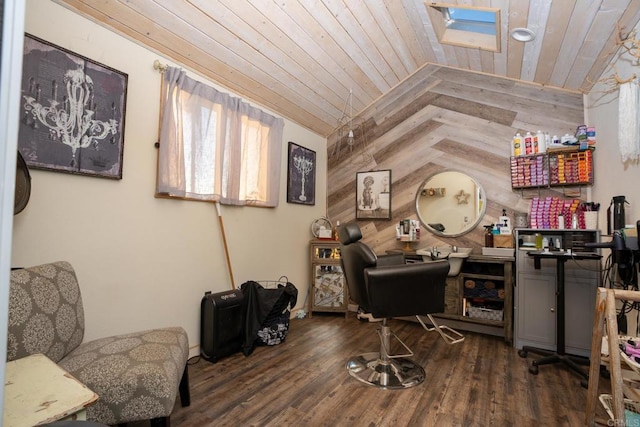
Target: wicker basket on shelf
631, 409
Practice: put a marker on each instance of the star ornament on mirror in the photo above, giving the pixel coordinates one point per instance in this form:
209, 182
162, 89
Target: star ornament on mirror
463, 198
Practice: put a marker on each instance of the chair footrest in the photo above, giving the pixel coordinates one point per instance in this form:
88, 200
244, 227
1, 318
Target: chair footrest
449, 335
397, 373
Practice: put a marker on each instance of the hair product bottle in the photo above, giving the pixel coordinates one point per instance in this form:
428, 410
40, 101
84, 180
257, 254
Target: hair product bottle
516, 145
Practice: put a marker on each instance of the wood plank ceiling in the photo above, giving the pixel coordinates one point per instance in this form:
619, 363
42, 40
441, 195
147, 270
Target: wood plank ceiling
300, 58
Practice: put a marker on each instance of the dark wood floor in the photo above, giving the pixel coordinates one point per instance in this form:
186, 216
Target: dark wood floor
303, 382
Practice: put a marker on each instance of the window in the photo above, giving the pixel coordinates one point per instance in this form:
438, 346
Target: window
466, 26
477, 21
215, 147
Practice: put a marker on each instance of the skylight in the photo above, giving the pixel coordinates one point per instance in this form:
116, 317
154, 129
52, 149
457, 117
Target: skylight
477, 21
475, 27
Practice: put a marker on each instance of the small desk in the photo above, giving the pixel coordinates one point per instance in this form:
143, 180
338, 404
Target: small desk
559, 355
38, 391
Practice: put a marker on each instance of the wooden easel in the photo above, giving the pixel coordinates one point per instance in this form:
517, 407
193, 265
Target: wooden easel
605, 312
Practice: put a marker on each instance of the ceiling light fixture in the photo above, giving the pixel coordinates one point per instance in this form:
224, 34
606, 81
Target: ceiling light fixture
351, 132
523, 34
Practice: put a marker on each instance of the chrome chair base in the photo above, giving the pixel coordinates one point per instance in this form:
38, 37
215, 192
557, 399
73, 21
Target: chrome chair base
396, 373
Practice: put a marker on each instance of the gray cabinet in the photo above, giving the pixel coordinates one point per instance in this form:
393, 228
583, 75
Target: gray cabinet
535, 310
535, 317
580, 307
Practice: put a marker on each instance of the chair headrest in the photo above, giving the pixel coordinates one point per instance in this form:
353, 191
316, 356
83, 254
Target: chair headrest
349, 233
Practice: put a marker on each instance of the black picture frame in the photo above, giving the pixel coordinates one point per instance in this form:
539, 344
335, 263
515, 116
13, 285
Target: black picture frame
72, 112
373, 194
301, 175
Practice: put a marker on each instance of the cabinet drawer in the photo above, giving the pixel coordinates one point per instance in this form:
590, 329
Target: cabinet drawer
325, 252
526, 263
581, 270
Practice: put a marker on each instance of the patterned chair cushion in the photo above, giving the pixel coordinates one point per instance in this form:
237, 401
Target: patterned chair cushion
135, 375
45, 312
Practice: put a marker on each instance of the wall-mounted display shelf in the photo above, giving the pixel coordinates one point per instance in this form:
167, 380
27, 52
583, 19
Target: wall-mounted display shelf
560, 167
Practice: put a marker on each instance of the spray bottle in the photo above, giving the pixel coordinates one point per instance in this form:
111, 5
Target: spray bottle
488, 236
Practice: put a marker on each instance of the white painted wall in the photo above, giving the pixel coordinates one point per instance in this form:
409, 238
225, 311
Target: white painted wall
10, 75
144, 262
612, 177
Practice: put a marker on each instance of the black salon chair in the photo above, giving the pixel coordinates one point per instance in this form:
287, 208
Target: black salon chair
386, 287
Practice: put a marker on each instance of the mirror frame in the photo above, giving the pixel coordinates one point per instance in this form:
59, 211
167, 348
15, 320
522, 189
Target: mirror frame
472, 226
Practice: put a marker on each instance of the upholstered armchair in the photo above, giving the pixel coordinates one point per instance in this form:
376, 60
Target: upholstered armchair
386, 287
136, 375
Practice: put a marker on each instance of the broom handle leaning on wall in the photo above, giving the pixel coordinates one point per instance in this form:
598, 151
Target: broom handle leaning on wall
224, 242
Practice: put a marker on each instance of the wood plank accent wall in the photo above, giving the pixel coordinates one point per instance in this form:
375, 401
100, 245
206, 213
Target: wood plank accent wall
443, 118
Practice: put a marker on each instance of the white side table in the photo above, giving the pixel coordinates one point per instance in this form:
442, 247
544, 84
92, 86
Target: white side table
38, 391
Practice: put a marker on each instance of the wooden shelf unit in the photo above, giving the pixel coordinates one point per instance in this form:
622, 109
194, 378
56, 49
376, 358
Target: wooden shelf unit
329, 291
458, 299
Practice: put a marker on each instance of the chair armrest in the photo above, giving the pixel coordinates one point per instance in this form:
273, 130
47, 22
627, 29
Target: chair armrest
390, 259
406, 289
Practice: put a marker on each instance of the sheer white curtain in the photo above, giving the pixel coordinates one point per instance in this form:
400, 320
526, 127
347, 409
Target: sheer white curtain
628, 122
216, 147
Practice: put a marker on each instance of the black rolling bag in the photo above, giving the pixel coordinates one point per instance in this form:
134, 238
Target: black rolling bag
221, 324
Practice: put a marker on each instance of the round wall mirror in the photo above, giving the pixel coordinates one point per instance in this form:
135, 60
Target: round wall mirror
450, 203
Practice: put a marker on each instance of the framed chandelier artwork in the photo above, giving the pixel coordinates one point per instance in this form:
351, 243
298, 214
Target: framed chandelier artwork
72, 112
301, 175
